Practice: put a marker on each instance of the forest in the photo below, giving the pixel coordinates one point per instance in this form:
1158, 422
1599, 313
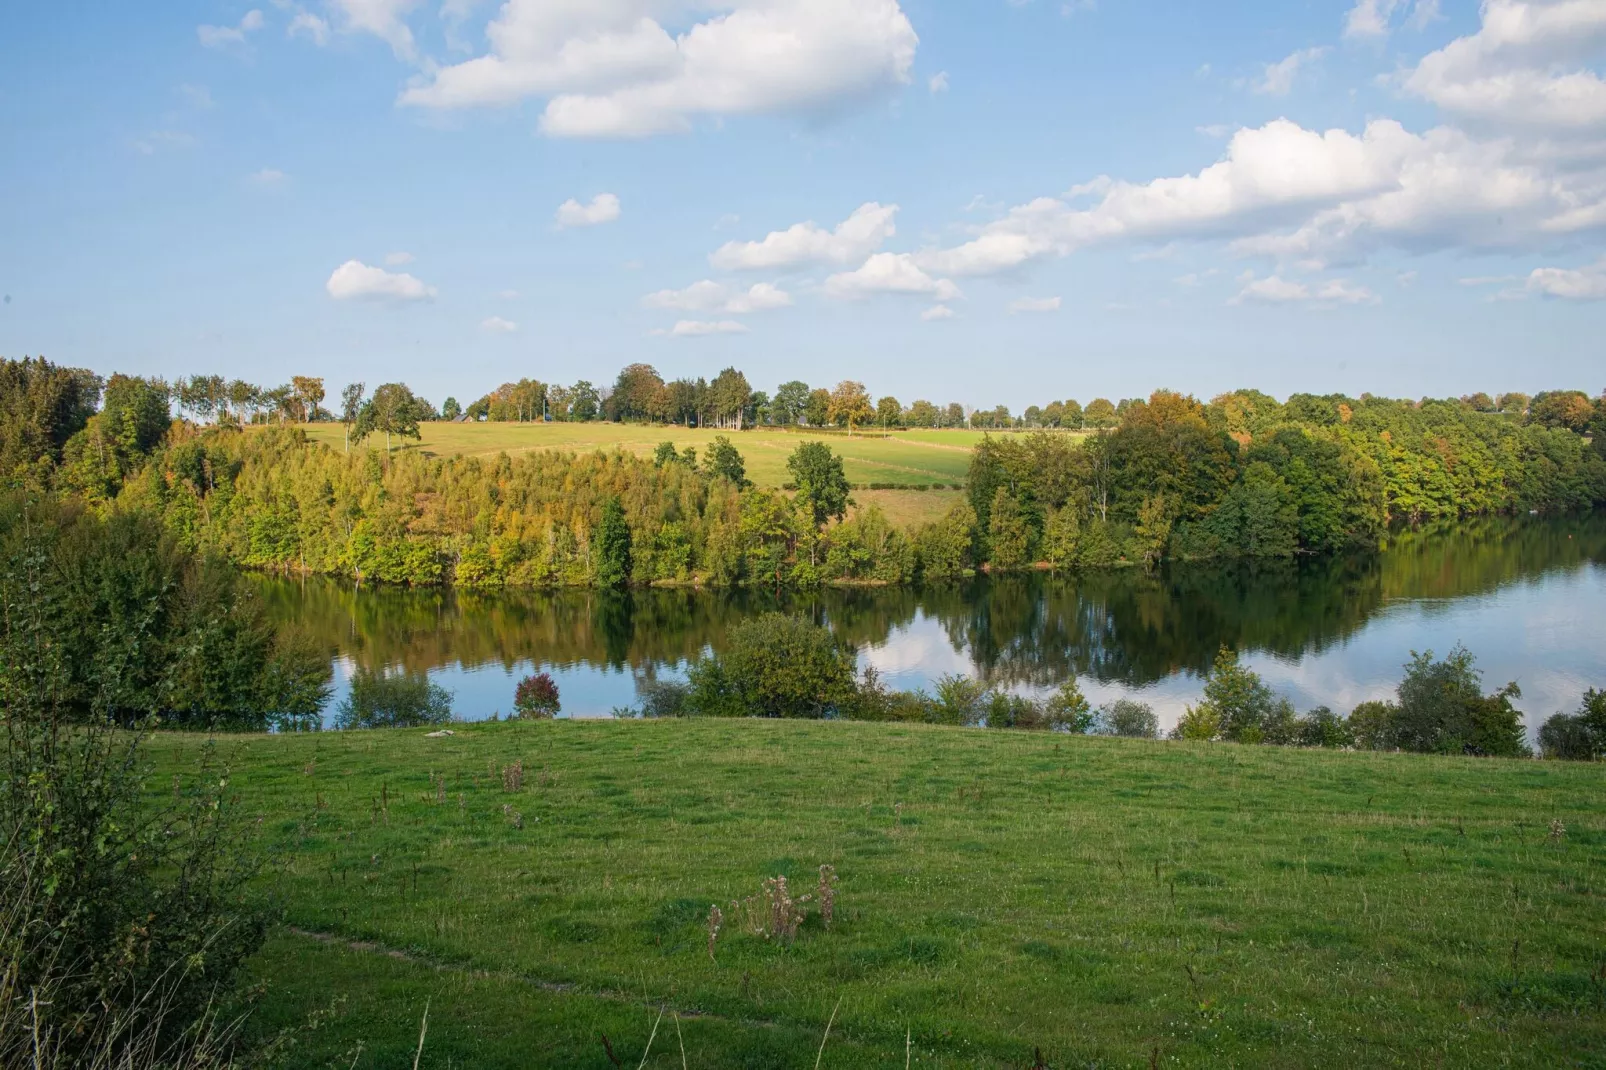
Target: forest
1241, 476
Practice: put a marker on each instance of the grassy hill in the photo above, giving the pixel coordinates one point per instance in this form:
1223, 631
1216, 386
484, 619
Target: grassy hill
919, 458
1104, 902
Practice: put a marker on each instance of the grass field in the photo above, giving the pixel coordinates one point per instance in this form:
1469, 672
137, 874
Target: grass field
915, 457
1102, 902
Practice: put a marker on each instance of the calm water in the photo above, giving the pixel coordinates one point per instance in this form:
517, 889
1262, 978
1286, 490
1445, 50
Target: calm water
1527, 596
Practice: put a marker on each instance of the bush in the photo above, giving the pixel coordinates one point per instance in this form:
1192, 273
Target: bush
125, 912
663, 698
1237, 705
1442, 709
536, 697
1124, 717
776, 665
144, 628
393, 700
1577, 737
1322, 727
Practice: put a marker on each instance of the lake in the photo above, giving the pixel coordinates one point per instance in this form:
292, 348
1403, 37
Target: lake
1526, 595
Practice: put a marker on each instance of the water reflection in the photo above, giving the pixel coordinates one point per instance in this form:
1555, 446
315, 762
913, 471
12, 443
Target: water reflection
1323, 631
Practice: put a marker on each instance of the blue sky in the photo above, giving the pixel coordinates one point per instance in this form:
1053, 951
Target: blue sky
983, 201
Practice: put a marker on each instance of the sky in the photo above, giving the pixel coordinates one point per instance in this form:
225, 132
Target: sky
993, 201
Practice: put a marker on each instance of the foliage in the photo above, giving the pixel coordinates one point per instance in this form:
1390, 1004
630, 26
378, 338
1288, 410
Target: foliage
1441, 709
1578, 736
1236, 702
383, 699
143, 627
394, 410
125, 913
42, 405
536, 696
723, 462
613, 546
775, 665
821, 485
1126, 717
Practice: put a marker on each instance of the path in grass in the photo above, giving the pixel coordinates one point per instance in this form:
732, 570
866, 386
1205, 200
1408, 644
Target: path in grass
1000, 893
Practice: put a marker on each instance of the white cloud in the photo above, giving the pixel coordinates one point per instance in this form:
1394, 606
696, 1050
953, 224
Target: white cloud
1581, 284
1034, 304
890, 273
1301, 196
269, 178
355, 280
610, 69
937, 312
507, 295
856, 237
604, 208
385, 19
703, 328
399, 258
1525, 67
306, 24
710, 296
498, 325
1369, 18
938, 83
1274, 289
224, 36
1278, 79
1275, 171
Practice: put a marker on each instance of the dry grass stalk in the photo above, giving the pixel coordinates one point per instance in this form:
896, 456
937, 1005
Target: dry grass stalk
514, 818
827, 894
513, 776
715, 920
1558, 831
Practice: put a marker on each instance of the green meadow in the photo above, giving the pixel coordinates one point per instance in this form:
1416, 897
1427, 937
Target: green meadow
914, 458
1004, 899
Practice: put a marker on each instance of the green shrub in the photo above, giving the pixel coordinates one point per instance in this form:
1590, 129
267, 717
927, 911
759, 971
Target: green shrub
1124, 717
776, 665
380, 699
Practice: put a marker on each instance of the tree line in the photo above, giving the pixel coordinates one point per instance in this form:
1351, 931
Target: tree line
1240, 476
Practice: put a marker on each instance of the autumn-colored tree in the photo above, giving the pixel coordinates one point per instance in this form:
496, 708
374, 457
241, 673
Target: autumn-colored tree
850, 405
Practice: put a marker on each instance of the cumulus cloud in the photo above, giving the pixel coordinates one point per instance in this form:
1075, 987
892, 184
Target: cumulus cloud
269, 178
604, 208
1298, 195
856, 237
608, 68
1034, 304
1526, 66
355, 280
398, 258
1576, 284
703, 328
385, 19
1274, 289
938, 83
710, 296
498, 325
1278, 79
889, 273
938, 312
224, 36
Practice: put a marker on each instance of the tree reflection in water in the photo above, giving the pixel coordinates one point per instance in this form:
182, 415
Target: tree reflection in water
1127, 627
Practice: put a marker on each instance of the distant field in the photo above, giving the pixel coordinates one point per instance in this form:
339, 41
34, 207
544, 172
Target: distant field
1104, 903
916, 457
